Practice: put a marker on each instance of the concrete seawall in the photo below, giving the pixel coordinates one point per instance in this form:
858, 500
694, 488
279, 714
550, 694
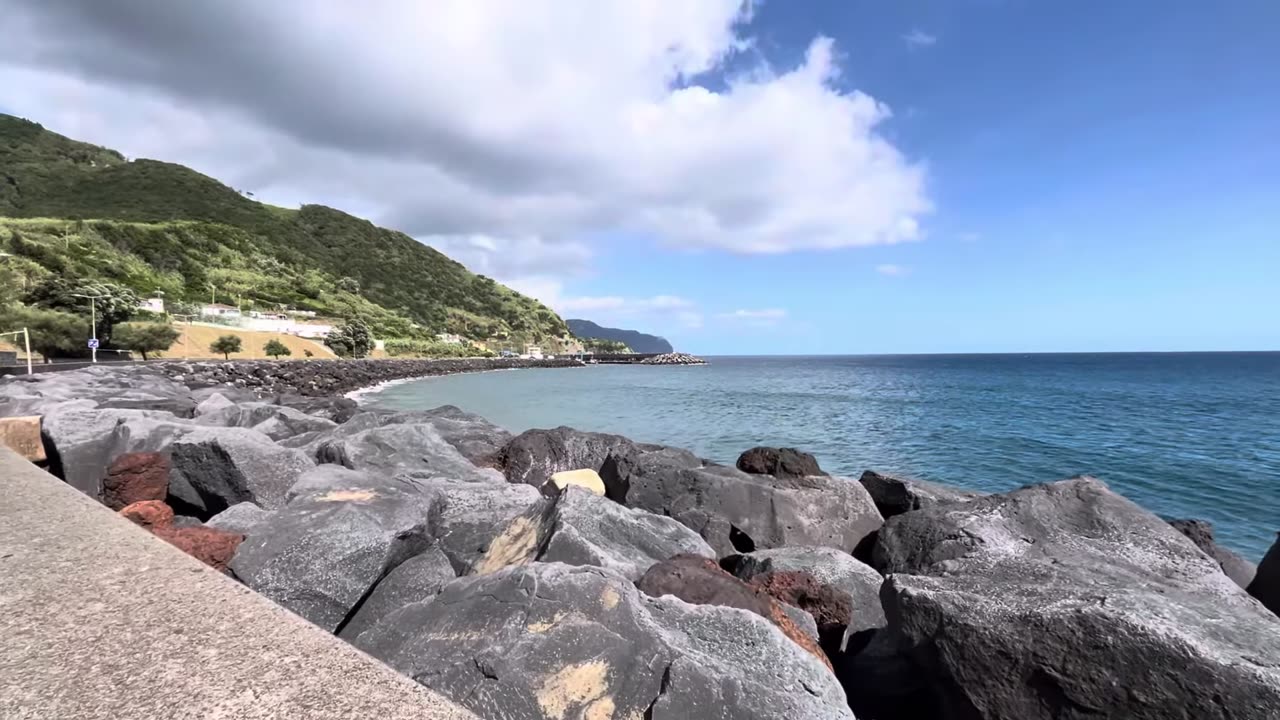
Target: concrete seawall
99, 619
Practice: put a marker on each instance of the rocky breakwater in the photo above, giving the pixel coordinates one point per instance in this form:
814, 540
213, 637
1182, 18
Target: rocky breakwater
318, 378
673, 359
674, 587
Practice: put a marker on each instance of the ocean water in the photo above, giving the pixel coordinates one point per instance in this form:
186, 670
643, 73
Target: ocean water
1183, 434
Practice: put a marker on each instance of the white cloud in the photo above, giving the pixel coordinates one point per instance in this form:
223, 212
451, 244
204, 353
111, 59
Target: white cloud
503, 133
767, 317
892, 270
918, 38
767, 314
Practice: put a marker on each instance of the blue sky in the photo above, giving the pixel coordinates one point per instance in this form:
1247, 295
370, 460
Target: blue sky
1103, 180
809, 176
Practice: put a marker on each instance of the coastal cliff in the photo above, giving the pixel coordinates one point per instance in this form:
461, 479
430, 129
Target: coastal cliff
657, 581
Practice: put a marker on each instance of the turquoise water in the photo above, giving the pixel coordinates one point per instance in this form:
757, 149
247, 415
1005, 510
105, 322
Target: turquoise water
1187, 435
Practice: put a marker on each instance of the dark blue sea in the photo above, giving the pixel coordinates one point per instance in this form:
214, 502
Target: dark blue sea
1183, 434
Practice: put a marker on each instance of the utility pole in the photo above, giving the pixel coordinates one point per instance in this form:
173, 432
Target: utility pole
93, 315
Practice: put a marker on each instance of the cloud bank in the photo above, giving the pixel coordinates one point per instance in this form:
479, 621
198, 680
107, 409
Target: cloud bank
507, 134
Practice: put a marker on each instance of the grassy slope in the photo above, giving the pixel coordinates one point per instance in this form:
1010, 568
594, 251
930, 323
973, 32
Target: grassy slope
195, 340
185, 225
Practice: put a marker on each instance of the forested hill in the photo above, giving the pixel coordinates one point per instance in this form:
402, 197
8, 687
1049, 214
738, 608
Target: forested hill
193, 231
637, 341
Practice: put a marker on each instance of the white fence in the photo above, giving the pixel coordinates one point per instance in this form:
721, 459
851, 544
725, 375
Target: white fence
311, 331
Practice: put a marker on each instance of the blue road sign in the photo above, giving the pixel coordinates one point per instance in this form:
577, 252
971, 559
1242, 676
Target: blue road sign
93, 343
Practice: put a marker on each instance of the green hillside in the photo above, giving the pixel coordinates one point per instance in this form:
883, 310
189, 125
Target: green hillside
153, 225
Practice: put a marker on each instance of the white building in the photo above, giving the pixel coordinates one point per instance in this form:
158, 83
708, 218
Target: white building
449, 338
155, 305
220, 310
267, 322
533, 351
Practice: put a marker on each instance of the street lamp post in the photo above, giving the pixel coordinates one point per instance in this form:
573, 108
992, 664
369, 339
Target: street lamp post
93, 315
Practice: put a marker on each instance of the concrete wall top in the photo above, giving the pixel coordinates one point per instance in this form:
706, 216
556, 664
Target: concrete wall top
101, 620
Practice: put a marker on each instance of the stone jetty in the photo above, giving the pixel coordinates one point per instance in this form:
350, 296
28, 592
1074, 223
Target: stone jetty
676, 358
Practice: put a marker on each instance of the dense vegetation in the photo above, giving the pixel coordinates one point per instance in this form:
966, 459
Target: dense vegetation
152, 226
637, 341
226, 345
147, 338
433, 349
605, 346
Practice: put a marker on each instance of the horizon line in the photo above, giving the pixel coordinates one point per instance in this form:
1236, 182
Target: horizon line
997, 352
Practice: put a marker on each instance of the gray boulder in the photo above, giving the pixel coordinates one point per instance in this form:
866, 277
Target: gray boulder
473, 437
230, 395
737, 512
1266, 583
578, 527
417, 579
553, 641
82, 443
779, 462
178, 401
323, 551
469, 515
534, 456
131, 388
1066, 600
333, 408
477, 439
275, 421
213, 403
617, 469
1201, 533
895, 495
416, 447
213, 468
829, 566
242, 518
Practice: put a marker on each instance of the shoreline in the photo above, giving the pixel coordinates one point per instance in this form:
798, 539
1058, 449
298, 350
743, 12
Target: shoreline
359, 395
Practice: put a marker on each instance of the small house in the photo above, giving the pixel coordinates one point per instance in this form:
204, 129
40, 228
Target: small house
155, 305
220, 310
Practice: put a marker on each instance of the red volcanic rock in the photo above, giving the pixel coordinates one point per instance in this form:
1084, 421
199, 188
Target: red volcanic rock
210, 546
699, 580
831, 608
150, 514
135, 477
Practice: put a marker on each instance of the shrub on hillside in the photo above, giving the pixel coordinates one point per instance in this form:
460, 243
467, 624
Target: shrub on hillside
352, 340
53, 333
400, 347
226, 345
275, 348
111, 303
145, 337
